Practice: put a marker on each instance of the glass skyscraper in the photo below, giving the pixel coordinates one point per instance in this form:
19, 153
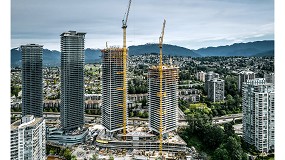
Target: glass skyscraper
32, 80
72, 80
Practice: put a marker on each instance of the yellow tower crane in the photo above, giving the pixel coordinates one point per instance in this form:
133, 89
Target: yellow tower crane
124, 26
161, 94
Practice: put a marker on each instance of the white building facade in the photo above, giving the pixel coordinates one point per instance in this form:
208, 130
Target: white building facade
258, 114
28, 139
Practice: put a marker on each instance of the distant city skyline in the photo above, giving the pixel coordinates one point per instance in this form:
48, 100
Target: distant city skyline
191, 24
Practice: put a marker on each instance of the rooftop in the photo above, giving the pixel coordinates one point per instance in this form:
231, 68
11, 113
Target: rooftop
16, 124
72, 33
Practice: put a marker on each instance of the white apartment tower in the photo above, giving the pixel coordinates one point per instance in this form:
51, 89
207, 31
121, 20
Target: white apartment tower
169, 101
258, 114
216, 89
243, 77
28, 139
112, 94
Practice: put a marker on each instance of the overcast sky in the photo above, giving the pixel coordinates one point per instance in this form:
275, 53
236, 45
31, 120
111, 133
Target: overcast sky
189, 23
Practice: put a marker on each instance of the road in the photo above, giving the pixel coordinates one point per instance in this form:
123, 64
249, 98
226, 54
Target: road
182, 121
227, 118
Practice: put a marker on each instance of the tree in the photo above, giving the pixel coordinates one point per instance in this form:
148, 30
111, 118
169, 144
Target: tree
67, 154
145, 115
230, 100
223, 112
234, 148
131, 114
213, 136
73, 157
51, 151
139, 114
15, 90
221, 154
229, 130
94, 157
111, 157
144, 102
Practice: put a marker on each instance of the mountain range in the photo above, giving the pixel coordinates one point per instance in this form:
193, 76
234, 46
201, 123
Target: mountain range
257, 49
239, 49
167, 50
52, 57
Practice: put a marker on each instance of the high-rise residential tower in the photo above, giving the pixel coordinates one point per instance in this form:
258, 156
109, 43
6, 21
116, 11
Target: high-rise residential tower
243, 77
208, 76
258, 114
32, 80
112, 93
28, 138
216, 89
72, 80
169, 100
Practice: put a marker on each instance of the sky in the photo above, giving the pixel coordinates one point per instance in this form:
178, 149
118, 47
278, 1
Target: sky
189, 23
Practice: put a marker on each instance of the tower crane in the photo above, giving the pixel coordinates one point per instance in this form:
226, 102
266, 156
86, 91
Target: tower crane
161, 94
124, 27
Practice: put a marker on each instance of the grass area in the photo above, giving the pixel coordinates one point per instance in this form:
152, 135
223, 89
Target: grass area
198, 106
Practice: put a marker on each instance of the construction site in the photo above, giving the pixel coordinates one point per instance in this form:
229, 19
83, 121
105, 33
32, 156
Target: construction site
117, 136
157, 137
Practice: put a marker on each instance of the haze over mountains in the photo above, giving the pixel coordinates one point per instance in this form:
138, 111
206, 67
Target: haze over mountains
257, 48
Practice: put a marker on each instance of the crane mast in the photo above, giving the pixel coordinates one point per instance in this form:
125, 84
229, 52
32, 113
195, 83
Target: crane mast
161, 94
124, 26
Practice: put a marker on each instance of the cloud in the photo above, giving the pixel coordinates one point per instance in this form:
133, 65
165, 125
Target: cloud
190, 23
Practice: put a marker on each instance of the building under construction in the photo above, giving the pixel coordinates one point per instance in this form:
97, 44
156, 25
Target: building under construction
169, 100
112, 92
140, 138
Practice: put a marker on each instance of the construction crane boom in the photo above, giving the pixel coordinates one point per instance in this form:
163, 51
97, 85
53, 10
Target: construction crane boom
124, 26
161, 94
125, 20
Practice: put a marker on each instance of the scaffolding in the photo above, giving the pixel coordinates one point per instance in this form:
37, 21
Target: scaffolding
113, 114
